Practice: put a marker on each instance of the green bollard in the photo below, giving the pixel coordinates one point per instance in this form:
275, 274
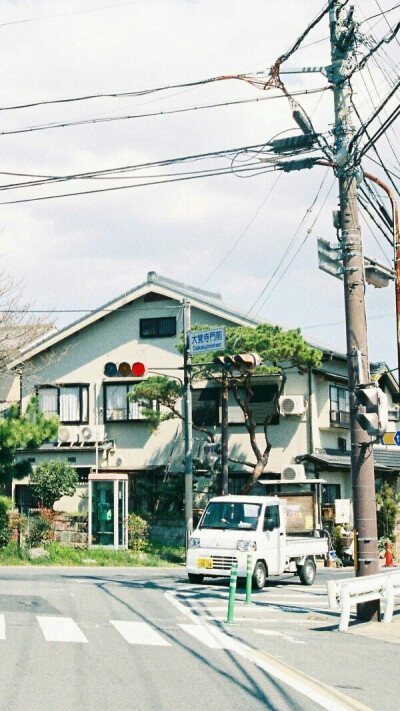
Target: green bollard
232, 590
248, 578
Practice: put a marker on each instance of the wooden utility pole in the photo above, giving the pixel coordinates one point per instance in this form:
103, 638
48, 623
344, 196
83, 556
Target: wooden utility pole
187, 404
224, 435
362, 461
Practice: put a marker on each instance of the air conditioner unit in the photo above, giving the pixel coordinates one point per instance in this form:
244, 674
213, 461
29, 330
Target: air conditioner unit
68, 434
393, 414
292, 405
92, 433
294, 472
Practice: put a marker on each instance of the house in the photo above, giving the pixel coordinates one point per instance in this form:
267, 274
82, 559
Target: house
84, 372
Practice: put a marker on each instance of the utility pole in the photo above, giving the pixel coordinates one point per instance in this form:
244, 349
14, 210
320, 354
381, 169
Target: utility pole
362, 462
187, 404
224, 435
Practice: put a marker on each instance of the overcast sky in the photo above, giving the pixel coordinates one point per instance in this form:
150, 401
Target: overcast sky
225, 233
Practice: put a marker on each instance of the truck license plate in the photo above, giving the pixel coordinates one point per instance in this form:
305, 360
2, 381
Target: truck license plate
204, 563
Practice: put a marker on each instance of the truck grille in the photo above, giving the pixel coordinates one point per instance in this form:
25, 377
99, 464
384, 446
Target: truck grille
222, 562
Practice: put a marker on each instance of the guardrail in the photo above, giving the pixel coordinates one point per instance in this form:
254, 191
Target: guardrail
345, 593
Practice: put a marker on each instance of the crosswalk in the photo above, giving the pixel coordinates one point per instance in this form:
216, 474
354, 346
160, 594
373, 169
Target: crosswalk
59, 629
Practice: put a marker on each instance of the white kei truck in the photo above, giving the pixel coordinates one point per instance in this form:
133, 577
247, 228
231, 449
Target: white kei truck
231, 527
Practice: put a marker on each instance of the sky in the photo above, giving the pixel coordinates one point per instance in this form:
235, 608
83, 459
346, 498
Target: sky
250, 236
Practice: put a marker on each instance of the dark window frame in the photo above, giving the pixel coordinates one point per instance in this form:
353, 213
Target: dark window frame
158, 327
83, 420
127, 385
339, 417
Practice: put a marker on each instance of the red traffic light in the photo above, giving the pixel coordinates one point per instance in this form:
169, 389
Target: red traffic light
125, 370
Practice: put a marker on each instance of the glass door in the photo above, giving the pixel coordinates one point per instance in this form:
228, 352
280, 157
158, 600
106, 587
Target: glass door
108, 511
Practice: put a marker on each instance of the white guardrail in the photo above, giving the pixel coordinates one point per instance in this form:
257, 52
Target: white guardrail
345, 593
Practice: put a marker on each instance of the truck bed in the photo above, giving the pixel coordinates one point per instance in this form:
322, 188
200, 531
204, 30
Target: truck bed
298, 547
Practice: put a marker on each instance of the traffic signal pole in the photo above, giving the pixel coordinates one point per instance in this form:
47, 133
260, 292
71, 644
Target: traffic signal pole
362, 462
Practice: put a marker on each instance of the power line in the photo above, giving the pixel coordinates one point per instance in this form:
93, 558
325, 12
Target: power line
243, 233
150, 114
73, 12
308, 211
309, 230
379, 14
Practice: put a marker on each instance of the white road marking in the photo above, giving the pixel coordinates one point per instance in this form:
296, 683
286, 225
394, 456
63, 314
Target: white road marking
60, 629
139, 633
327, 697
275, 633
2, 627
211, 637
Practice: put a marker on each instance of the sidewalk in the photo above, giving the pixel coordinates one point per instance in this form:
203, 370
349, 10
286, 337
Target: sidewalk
389, 632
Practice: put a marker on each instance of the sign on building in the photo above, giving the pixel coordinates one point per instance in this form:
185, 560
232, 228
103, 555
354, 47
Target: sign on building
213, 339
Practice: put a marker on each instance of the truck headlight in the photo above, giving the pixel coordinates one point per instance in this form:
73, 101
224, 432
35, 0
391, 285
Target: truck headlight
246, 546
194, 542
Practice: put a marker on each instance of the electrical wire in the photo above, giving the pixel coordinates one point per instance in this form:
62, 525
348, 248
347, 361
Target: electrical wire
309, 231
243, 233
73, 12
151, 114
379, 14
289, 246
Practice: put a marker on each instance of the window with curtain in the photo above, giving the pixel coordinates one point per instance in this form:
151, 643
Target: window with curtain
117, 407
69, 402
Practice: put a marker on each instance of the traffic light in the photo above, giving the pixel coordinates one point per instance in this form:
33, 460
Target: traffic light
125, 370
241, 361
375, 418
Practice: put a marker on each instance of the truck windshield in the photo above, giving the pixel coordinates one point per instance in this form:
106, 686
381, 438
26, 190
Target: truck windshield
239, 516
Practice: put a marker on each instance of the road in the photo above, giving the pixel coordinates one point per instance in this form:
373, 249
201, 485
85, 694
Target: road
146, 639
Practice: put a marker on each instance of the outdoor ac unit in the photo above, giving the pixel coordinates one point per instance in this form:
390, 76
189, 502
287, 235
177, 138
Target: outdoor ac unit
294, 472
92, 433
68, 433
292, 405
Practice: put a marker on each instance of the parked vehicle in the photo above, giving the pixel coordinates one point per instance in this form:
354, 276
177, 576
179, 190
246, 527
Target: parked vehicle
231, 527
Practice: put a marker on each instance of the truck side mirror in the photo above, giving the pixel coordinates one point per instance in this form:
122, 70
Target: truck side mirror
269, 524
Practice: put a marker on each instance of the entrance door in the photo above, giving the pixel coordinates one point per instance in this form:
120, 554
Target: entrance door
103, 513
275, 540
108, 498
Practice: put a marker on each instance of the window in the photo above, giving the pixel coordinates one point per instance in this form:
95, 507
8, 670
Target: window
69, 402
273, 513
330, 492
117, 407
339, 406
162, 327
262, 404
205, 407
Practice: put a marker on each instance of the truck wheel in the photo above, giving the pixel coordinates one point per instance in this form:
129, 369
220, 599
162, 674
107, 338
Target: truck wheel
196, 578
259, 577
307, 572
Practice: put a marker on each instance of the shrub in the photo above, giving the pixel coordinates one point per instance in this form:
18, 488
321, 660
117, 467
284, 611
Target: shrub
387, 508
137, 533
40, 530
6, 504
52, 480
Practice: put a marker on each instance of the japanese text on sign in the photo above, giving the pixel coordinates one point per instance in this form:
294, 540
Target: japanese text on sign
210, 340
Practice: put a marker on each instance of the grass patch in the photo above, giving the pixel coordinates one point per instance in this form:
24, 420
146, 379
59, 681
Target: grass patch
155, 555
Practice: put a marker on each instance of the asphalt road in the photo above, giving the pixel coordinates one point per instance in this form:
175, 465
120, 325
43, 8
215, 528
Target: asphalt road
146, 639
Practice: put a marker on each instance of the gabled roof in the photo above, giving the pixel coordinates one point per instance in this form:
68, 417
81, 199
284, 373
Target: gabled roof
199, 298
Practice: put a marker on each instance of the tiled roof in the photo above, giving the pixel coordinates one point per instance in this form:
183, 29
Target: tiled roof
384, 459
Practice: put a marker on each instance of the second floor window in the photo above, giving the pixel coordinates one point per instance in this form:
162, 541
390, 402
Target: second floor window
117, 406
69, 402
161, 327
339, 406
